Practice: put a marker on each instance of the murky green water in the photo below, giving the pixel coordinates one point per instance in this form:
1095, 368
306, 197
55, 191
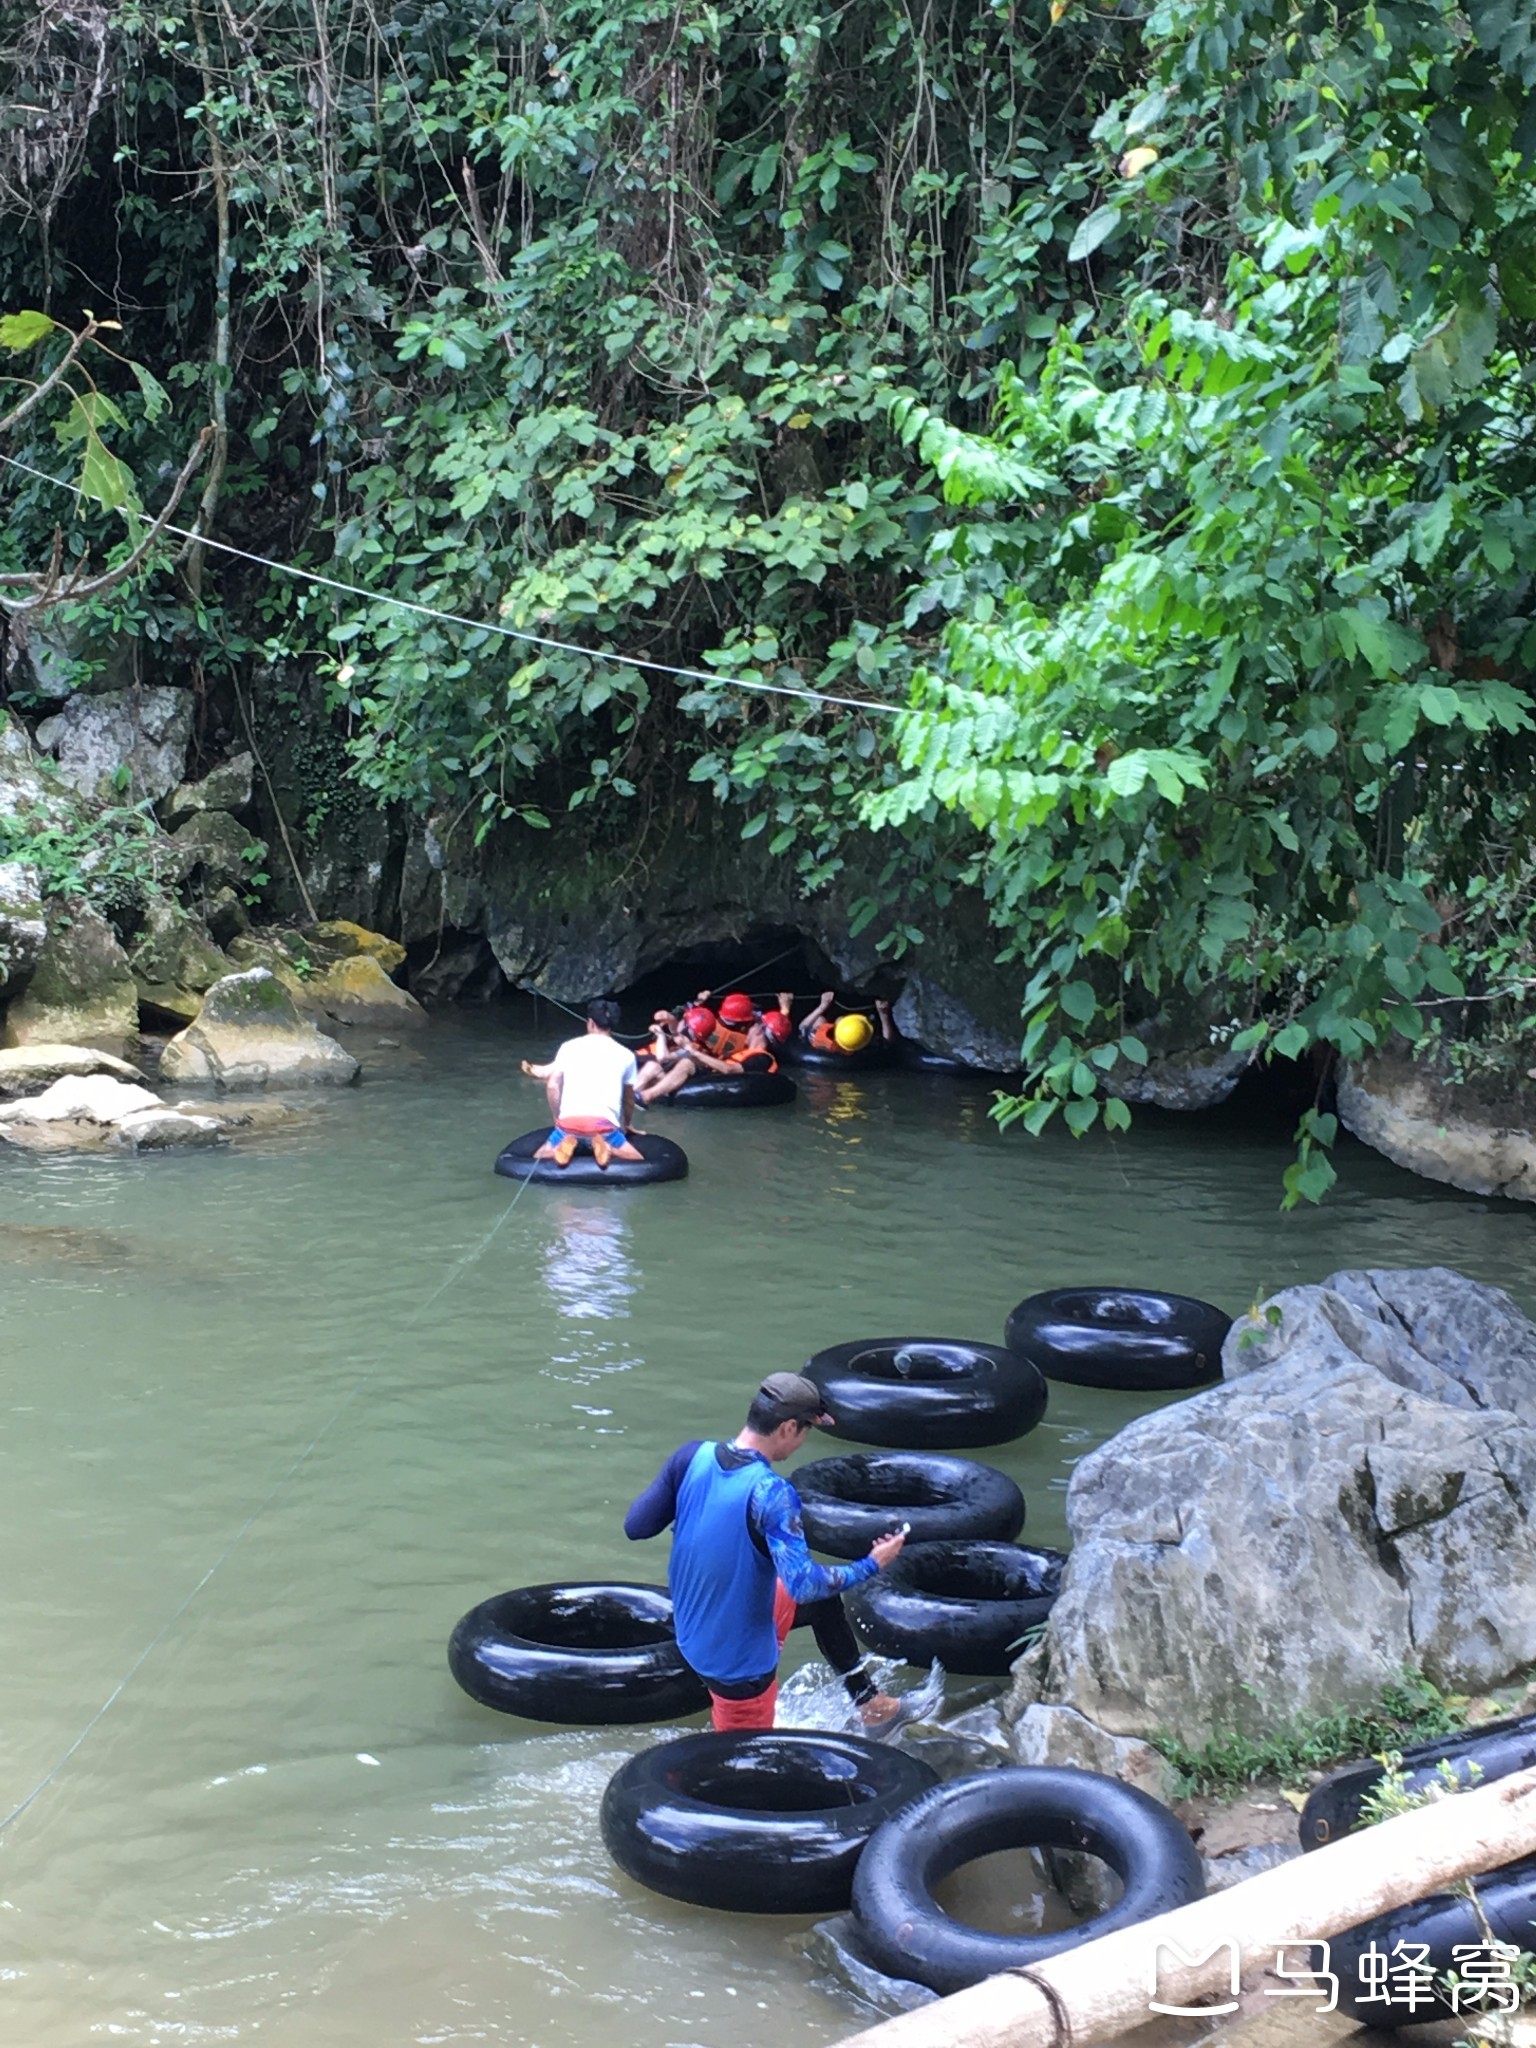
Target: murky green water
289, 1825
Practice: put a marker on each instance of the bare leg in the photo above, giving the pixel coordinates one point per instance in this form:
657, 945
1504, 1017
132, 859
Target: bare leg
670, 1082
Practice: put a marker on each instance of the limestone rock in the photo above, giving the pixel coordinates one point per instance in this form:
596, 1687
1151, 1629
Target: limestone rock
460, 968
1190, 1065
27, 788
937, 1019
26, 1069
174, 962
1060, 1735
163, 1130
82, 990
249, 1034
340, 939
261, 949
216, 843
23, 927
1415, 1119
60, 1134
101, 1097
243, 1116
225, 788
50, 657
143, 730
358, 991
1351, 1503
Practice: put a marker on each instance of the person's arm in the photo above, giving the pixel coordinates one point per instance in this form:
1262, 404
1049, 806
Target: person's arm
776, 1517
708, 1060
538, 1073
656, 1508
888, 1029
808, 1023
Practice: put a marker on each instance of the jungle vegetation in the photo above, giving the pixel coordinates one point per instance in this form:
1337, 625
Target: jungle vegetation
1122, 412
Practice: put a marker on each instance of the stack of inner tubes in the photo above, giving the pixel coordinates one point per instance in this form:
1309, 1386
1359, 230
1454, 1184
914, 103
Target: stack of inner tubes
660, 1160
598, 1653
910, 1936
970, 1605
849, 1502
928, 1393
771, 1823
1123, 1337
1443, 1923
731, 1091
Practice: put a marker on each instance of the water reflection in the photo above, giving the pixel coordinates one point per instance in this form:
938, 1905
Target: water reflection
591, 1280
587, 1267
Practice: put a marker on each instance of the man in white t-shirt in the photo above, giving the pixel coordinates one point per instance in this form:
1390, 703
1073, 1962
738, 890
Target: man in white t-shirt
591, 1085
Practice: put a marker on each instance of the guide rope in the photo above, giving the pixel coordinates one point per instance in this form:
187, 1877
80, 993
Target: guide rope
496, 626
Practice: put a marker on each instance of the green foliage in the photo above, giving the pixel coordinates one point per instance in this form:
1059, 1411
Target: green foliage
1410, 1709
113, 858
1236, 680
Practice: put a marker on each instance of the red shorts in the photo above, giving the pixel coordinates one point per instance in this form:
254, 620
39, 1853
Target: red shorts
736, 1717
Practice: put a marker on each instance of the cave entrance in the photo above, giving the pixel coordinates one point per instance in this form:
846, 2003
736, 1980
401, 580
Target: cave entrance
769, 958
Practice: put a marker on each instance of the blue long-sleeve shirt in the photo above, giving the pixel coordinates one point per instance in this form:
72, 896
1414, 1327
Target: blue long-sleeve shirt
773, 1522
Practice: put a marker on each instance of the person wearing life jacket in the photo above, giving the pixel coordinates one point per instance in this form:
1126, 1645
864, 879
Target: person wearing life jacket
851, 1032
712, 1045
741, 1575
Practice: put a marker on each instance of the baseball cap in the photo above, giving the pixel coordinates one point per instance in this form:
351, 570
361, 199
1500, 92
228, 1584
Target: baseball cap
799, 1397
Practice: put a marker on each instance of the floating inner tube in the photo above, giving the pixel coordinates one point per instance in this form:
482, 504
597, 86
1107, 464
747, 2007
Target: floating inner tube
928, 1393
660, 1160
912, 1937
592, 1653
1477, 1755
848, 1502
865, 1060
740, 1091
968, 1604
913, 1058
755, 1823
1120, 1337
1441, 1924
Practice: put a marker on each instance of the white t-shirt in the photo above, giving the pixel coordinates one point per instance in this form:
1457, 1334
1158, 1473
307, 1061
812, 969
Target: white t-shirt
594, 1071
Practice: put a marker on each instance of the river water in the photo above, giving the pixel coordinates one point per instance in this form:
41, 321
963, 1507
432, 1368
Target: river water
289, 1825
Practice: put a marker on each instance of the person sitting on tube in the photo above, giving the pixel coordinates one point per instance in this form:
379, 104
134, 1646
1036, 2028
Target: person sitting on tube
732, 1043
741, 1575
590, 1086
852, 1031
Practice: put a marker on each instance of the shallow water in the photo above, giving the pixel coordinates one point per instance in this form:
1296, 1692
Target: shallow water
272, 1419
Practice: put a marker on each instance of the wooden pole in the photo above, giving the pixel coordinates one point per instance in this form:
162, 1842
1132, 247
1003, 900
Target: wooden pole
1100, 1991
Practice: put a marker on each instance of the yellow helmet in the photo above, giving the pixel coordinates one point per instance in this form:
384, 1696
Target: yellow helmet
853, 1032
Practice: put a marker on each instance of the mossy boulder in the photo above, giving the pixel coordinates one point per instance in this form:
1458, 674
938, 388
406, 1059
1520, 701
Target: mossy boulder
175, 962
82, 990
23, 927
217, 844
338, 938
358, 991
248, 1034
225, 788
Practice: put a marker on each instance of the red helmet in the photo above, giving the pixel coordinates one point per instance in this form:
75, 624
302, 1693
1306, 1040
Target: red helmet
777, 1026
697, 1021
737, 1009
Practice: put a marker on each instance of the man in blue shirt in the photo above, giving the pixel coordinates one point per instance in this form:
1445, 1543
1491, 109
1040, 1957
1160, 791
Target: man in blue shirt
741, 1575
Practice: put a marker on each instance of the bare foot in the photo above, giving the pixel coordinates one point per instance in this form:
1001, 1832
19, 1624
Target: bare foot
880, 1711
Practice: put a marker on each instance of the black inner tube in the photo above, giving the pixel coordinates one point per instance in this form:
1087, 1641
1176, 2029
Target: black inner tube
775, 1785
981, 1575
923, 1364
886, 1483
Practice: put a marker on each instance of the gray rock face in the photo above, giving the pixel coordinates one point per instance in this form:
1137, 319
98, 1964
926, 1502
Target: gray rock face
939, 1020
145, 731
225, 788
1446, 1134
82, 990
249, 1034
23, 927
1350, 1504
